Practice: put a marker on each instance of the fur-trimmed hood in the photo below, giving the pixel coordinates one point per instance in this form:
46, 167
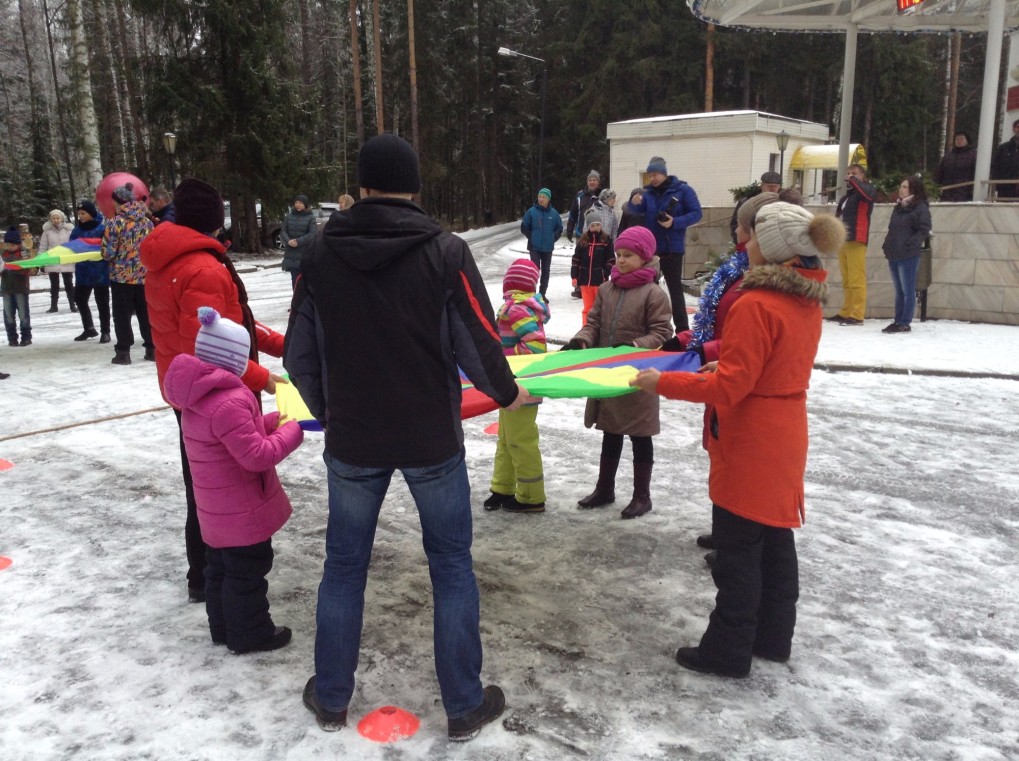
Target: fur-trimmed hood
795, 281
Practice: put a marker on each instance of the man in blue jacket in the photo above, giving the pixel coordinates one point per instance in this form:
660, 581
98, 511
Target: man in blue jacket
670, 206
542, 225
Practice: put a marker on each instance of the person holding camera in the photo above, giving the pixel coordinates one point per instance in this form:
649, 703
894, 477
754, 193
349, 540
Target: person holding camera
670, 206
854, 209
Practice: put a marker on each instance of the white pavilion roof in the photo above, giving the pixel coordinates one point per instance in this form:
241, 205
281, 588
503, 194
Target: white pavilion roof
868, 15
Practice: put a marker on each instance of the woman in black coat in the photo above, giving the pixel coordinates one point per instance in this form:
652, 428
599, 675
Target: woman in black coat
909, 226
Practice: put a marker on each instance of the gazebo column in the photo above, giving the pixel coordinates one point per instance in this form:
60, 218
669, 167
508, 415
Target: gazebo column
846, 117
989, 99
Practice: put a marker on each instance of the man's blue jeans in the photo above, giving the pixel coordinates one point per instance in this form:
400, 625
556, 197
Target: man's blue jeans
16, 315
442, 494
904, 281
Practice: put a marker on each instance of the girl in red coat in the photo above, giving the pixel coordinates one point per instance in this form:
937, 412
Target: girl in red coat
758, 438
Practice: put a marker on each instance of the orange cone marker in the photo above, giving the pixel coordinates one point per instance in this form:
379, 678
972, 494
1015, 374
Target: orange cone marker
7, 464
493, 429
5, 562
388, 724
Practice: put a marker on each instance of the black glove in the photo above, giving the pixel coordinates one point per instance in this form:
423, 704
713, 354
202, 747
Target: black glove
673, 344
574, 344
616, 346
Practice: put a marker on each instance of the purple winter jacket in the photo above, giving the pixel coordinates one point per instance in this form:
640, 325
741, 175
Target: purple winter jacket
233, 450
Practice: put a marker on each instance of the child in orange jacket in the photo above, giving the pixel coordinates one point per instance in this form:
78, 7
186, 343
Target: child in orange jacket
758, 438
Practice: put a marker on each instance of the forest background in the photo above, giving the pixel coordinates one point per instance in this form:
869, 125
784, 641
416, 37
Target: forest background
268, 98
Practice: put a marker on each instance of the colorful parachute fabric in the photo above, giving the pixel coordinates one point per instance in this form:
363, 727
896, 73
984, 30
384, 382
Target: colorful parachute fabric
78, 250
591, 373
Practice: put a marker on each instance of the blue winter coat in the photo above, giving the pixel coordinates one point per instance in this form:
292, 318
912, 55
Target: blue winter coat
542, 227
685, 212
91, 274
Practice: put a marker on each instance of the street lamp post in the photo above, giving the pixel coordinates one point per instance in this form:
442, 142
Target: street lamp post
170, 146
544, 90
782, 138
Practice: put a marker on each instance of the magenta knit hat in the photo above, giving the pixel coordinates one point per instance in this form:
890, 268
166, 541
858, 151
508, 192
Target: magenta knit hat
522, 275
640, 240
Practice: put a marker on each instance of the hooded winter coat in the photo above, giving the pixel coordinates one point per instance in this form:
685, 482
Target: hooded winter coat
299, 226
758, 434
91, 274
233, 450
908, 227
122, 242
183, 275
53, 236
640, 316
387, 307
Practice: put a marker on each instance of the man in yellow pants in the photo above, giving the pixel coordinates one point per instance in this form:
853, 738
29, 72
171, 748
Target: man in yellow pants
854, 210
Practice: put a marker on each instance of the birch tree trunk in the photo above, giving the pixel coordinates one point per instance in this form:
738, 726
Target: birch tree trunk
134, 121
413, 77
81, 87
355, 55
61, 117
115, 120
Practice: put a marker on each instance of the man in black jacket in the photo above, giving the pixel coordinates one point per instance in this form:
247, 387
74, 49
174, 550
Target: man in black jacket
1005, 165
387, 307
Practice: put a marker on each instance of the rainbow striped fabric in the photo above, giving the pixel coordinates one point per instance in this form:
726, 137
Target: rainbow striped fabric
72, 252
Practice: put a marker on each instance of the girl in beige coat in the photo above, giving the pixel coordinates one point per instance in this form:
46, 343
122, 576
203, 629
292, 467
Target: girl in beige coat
629, 310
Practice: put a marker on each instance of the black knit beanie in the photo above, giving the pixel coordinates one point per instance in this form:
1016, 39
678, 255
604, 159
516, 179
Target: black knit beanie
389, 164
199, 206
88, 207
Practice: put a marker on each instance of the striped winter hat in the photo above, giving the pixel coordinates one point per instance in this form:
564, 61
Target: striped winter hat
522, 275
222, 342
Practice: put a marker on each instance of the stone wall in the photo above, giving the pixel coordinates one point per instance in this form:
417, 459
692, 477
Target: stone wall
975, 266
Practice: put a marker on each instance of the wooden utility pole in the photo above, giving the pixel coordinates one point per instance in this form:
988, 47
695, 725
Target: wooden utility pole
709, 70
413, 77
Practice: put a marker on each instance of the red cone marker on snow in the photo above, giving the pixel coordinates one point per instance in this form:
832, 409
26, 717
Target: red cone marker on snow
388, 724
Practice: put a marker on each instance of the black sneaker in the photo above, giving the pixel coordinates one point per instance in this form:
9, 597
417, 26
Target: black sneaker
896, 328
513, 506
467, 727
834, 318
280, 638
850, 321
496, 500
706, 542
691, 658
329, 721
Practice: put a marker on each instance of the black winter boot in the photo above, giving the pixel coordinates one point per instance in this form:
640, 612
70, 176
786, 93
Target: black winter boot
641, 502
605, 490
122, 357
53, 305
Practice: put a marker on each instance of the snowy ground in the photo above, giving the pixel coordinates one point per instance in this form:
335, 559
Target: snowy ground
905, 645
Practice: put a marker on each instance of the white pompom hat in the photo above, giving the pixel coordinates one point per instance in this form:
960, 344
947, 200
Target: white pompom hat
222, 342
785, 231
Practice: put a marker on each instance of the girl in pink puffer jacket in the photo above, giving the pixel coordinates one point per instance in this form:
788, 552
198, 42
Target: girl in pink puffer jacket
233, 450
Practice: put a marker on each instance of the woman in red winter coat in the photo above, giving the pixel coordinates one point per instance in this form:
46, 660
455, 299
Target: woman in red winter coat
758, 438
187, 269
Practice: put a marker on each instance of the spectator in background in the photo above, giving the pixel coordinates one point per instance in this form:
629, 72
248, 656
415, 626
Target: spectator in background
297, 233
91, 276
161, 206
583, 201
632, 214
606, 208
670, 206
958, 165
854, 209
346, 201
908, 228
57, 231
14, 287
1005, 165
122, 242
771, 182
542, 225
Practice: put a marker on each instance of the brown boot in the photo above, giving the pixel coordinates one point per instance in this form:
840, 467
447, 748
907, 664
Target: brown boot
605, 491
641, 502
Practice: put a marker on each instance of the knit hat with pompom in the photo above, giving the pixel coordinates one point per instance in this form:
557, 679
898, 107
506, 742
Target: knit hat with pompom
222, 342
785, 231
